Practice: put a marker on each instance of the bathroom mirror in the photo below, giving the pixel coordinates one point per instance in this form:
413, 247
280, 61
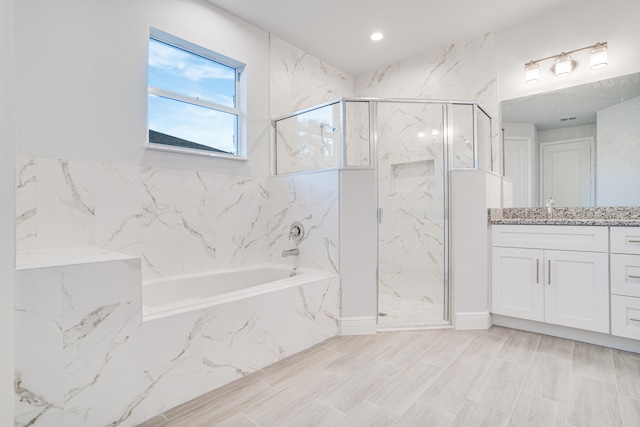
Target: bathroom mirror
580, 144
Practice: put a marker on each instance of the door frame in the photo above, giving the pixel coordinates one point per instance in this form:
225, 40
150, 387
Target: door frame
530, 177
592, 164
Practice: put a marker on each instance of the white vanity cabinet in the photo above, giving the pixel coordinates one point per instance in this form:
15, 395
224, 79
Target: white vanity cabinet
625, 282
553, 274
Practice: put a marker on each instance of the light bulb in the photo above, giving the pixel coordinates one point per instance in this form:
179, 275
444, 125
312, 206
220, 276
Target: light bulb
598, 56
531, 73
564, 65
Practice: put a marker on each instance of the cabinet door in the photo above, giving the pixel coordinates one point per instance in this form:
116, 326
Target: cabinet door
577, 289
518, 289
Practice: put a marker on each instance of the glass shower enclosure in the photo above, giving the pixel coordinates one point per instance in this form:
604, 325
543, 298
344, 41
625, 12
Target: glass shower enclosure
412, 145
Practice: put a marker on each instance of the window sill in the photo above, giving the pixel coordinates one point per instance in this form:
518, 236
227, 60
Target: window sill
192, 152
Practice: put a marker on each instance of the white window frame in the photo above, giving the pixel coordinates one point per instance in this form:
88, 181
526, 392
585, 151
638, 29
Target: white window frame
179, 43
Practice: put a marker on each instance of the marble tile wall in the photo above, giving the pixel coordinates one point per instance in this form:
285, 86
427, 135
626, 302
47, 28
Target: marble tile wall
177, 221
193, 353
90, 359
299, 80
463, 70
80, 359
313, 199
357, 134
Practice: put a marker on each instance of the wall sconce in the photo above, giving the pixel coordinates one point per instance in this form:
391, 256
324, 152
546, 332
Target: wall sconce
564, 64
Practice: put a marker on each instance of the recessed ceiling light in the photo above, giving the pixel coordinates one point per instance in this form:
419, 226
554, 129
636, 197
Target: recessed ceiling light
376, 37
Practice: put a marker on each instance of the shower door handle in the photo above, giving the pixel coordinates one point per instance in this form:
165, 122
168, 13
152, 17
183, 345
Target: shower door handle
379, 215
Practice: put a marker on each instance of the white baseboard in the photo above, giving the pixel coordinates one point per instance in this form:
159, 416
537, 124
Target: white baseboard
605, 340
358, 325
473, 320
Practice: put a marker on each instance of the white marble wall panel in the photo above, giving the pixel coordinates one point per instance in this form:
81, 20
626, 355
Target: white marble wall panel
240, 220
299, 80
464, 71
39, 368
225, 339
198, 244
172, 361
162, 227
291, 320
66, 203
177, 221
96, 284
102, 363
313, 199
357, 134
26, 203
80, 327
321, 243
119, 219
195, 352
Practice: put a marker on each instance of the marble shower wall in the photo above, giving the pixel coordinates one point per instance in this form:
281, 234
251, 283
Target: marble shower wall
357, 136
176, 221
464, 71
313, 199
299, 80
411, 195
309, 141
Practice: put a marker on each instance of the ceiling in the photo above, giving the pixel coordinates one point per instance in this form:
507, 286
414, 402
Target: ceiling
337, 31
578, 105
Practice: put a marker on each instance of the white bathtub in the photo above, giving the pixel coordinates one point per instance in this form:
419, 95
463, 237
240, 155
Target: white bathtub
175, 295
203, 331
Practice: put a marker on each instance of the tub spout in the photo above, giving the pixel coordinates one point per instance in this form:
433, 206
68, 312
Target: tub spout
289, 252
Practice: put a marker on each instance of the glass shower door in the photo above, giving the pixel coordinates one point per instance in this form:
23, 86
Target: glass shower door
412, 201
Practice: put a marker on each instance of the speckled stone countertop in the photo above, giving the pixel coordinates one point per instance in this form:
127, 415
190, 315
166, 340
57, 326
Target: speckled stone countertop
614, 216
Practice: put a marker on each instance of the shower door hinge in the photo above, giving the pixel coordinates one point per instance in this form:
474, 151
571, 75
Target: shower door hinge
379, 215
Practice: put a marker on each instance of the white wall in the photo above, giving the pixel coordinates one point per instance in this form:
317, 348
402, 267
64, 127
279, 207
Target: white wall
472, 190
571, 132
6, 211
617, 158
81, 72
358, 254
573, 27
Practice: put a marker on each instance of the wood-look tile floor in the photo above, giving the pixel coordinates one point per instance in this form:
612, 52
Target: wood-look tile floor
497, 377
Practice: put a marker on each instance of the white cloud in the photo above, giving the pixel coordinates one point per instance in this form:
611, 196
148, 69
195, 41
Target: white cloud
184, 64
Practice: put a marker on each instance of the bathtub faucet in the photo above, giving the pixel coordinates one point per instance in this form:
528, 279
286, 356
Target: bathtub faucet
289, 252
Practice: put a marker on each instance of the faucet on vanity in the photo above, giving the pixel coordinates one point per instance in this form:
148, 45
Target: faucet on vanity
549, 206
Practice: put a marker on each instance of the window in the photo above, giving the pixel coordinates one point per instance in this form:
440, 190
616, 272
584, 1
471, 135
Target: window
192, 97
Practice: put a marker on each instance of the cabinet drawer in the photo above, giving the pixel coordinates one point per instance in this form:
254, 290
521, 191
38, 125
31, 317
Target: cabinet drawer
569, 238
625, 316
625, 275
625, 240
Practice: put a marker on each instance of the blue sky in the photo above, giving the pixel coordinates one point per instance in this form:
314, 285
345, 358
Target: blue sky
179, 71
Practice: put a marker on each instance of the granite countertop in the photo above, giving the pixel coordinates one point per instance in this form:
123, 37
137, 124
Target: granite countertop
601, 216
